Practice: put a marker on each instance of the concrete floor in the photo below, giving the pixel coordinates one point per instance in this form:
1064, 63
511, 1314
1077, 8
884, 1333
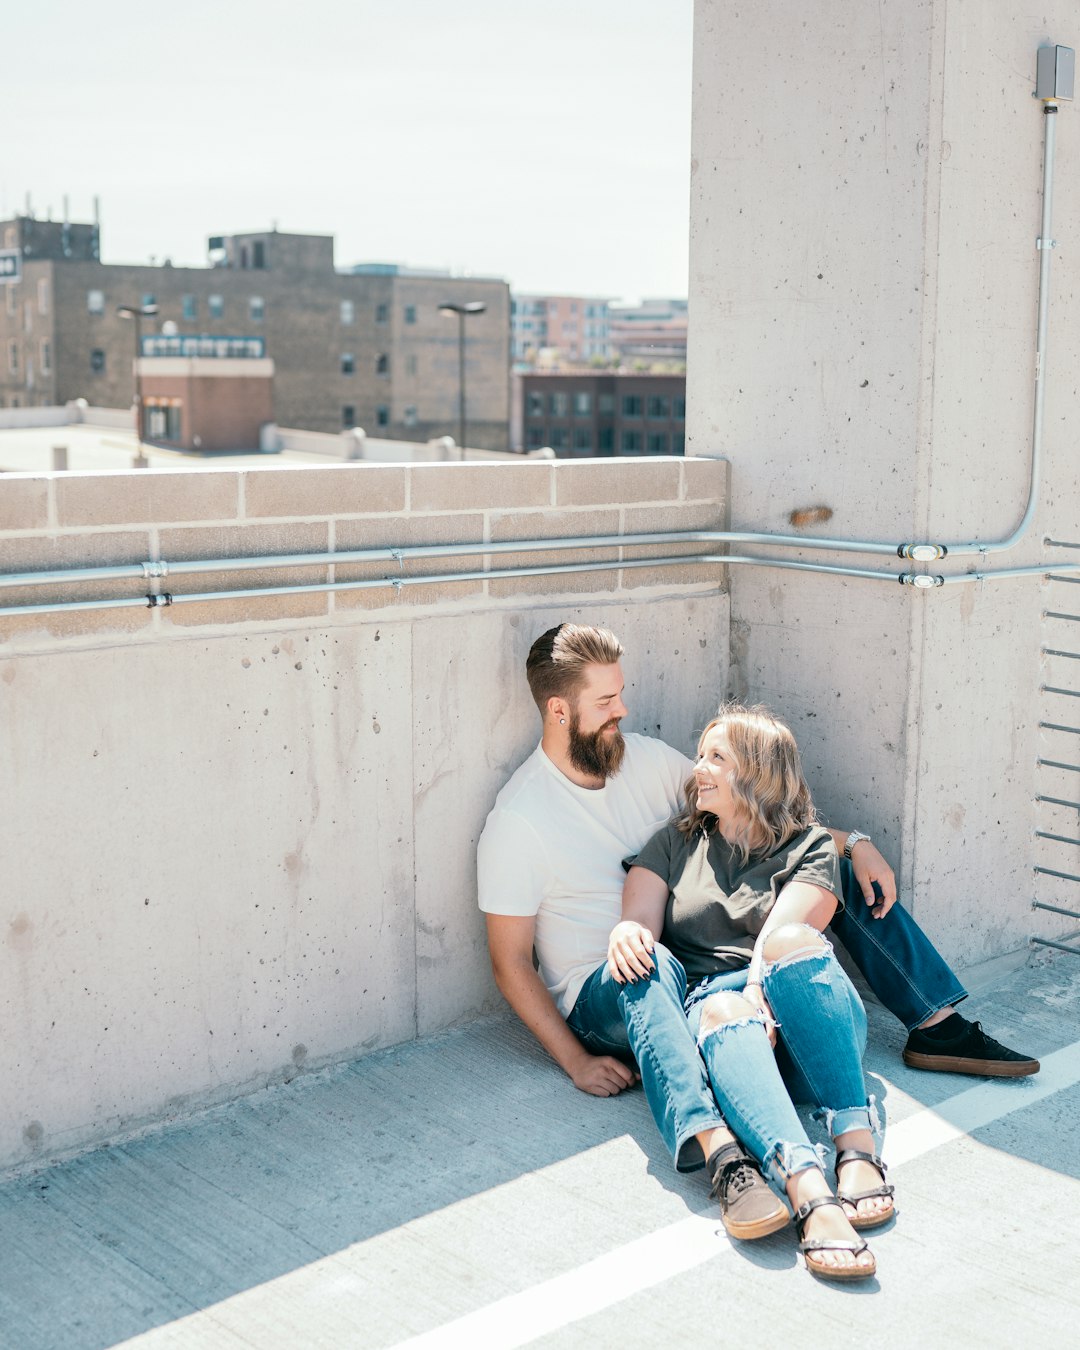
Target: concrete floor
459, 1191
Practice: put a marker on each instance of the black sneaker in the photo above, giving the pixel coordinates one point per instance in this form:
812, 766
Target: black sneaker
972, 1051
749, 1207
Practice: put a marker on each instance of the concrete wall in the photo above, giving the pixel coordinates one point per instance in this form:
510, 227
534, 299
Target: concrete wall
239, 835
865, 204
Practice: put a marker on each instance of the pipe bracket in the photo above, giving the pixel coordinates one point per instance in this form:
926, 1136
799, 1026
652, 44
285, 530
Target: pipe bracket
158, 568
159, 601
1046, 243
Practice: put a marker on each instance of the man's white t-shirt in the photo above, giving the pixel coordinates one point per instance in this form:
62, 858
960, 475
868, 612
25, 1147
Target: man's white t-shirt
555, 850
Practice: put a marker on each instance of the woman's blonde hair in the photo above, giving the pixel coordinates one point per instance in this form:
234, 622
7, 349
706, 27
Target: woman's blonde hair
767, 783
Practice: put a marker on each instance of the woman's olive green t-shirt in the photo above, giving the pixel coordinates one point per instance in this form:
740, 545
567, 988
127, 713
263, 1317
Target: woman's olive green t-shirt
716, 903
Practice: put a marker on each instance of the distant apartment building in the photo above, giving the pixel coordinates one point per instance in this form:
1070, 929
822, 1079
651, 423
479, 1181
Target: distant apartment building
612, 413
572, 329
363, 347
655, 330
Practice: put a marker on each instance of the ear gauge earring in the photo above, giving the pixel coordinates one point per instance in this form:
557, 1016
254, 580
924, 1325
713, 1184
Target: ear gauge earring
562, 721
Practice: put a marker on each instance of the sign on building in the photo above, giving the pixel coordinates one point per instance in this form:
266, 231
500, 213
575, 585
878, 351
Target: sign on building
10, 265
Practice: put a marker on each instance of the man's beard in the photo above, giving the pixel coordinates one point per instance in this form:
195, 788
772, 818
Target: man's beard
598, 755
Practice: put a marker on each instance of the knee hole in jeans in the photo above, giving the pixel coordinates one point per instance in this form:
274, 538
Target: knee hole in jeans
721, 1008
790, 938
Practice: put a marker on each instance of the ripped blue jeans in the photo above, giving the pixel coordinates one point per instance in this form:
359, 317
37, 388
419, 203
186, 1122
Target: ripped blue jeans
821, 1035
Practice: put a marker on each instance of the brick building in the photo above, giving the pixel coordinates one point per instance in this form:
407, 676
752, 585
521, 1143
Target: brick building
614, 413
366, 347
567, 327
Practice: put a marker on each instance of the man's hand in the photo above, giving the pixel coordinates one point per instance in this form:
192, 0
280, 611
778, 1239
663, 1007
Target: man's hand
628, 951
870, 867
602, 1075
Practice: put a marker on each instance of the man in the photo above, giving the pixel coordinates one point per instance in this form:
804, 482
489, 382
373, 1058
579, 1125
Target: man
550, 878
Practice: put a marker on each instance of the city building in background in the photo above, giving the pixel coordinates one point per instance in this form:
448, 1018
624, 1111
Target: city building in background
560, 329
579, 414
654, 331
363, 347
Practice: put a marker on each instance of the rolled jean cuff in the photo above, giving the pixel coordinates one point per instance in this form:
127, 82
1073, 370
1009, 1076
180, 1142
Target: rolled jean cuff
844, 1118
688, 1152
785, 1160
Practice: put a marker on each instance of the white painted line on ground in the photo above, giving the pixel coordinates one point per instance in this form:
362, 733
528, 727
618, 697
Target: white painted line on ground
520, 1318
979, 1106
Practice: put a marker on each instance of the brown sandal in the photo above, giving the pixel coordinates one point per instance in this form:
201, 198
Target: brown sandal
858, 1220
810, 1245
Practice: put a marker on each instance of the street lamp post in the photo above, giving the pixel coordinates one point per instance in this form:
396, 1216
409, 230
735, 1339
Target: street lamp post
462, 312
138, 313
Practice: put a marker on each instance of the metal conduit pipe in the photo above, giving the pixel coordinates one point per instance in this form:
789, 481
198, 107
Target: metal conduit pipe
920, 581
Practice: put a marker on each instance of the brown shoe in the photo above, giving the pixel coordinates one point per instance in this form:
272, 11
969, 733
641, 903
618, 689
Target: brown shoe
749, 1207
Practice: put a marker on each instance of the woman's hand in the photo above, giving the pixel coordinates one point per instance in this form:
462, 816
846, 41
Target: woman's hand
755, 996
628, 951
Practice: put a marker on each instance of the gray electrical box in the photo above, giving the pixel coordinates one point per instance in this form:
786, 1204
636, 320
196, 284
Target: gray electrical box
1055, 72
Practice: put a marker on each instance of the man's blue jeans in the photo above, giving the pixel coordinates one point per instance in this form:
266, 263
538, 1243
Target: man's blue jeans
647, 1020
821, 1035
902, 966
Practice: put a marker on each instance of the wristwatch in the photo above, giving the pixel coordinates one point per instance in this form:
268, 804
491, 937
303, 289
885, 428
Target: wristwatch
854, 838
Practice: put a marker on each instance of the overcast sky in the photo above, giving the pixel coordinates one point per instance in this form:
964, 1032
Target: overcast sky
547, 143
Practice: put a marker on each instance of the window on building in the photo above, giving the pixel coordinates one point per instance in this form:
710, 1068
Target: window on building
678, 443
256, 309
43, 295
97, 361
348, 363
410, 313
605, 404
558, 438
631, 405
46, 356
658, 408
631, 443
382, 364
148, 299
560, 405
534, 438
680, 408
348, 312
410, 365
216, 305
582, 404
348, 417
411, 416
605, 440
382, 313
11, 292
382, 415
534, 403
13, 358
583, 438
258, 254
162, 422
656, 443
189, 307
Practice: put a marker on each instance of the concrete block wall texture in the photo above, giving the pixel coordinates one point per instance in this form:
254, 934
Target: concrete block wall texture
866, 199
240, 835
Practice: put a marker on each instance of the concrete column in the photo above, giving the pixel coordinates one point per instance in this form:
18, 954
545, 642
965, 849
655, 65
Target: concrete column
865, 205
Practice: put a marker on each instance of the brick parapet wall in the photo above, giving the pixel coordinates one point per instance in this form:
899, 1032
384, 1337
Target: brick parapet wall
61, 521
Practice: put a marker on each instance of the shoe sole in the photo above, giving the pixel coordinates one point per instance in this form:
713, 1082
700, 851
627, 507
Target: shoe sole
757, 1228
840, 1272
981, 1068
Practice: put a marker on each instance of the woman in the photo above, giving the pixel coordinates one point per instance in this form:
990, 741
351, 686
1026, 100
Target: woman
740, 887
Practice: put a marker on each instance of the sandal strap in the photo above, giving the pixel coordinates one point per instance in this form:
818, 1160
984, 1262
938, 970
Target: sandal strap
834, 1245
879, 1192
805, 1210
857, 1155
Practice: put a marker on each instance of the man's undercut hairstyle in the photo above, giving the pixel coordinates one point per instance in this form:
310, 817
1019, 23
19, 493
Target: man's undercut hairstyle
558, 658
